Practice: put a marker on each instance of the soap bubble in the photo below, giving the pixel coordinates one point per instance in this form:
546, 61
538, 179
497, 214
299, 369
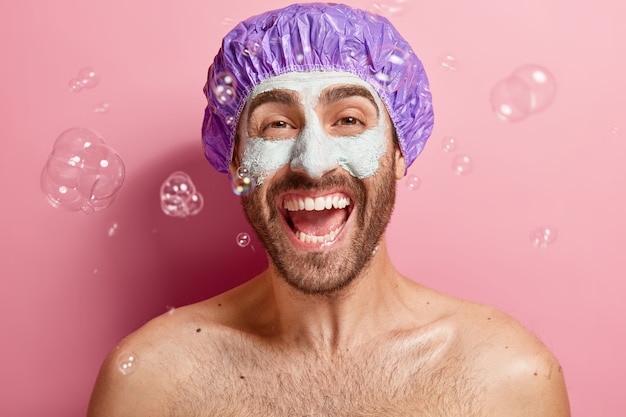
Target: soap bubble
102, 107
511, 99
243, 183
462, 164
228, 22
449, 62
543, 237
112, 231
224, 86
179, 197
252, 47
243, 239
413, 182
389, 8
75, 85
541, 83
615, 130
88, 77
126, 363
529, 89
82, 172
395, 70
299, 50
448, 144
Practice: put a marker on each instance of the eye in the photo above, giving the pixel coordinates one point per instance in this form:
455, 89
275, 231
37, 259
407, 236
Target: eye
348, 121
278, 124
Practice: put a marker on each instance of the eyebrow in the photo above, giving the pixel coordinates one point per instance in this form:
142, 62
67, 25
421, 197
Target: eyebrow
286, 97
336, 93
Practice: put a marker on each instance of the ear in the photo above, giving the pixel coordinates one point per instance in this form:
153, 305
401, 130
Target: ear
235, 160
233, 167
400, 164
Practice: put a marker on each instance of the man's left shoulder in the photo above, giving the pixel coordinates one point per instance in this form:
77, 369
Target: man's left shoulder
522, 376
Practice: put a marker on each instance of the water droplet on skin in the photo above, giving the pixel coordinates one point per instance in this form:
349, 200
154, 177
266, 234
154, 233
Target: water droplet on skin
127, 363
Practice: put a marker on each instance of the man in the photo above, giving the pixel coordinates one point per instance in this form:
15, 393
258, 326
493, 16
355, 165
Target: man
325, 107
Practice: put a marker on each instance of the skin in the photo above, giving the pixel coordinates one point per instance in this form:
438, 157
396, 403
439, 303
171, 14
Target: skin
380, 344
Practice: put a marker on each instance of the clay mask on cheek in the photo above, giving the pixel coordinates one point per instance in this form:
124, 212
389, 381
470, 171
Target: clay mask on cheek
313, 150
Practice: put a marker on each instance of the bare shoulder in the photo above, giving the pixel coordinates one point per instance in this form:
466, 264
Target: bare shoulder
522, 377
146, 372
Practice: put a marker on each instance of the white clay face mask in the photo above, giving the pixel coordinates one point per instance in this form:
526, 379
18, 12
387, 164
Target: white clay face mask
312, 149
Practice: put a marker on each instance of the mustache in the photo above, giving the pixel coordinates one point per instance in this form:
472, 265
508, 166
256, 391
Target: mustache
298, 181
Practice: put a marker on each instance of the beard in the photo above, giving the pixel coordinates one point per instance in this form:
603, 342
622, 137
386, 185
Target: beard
332, 268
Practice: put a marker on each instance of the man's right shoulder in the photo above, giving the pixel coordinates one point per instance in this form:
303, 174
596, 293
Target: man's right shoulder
143, 374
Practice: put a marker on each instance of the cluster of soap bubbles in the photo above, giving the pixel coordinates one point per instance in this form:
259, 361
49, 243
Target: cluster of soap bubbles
82, 172
528, 90
86, 78
462, 164
179, 197
543, 237
224, 86
244, 183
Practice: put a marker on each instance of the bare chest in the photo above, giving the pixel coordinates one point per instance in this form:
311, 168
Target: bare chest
398, 382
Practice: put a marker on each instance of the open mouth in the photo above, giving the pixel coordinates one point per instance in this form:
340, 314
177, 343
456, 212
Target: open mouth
316, 219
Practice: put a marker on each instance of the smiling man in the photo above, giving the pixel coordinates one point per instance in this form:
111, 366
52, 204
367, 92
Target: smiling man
326, 107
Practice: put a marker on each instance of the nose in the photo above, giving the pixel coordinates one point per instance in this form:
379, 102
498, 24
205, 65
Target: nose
314, 153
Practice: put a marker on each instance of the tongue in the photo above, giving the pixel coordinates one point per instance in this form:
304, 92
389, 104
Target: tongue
318, 223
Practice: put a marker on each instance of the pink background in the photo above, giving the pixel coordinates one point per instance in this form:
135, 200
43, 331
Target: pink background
70, 291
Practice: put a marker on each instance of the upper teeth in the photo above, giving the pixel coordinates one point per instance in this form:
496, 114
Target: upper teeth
294, 203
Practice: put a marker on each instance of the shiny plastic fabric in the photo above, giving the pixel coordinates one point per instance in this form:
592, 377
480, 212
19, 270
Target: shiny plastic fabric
316, 37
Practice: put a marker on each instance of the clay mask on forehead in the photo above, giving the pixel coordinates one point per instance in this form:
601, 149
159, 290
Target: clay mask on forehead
312, 149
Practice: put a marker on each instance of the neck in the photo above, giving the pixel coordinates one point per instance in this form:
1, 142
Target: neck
346, 318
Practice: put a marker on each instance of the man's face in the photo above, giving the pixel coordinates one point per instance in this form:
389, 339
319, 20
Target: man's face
321, 145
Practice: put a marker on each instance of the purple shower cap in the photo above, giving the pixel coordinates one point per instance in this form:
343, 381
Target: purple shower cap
316, 37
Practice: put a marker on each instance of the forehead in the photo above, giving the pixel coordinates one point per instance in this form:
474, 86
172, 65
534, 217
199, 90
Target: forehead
311, 84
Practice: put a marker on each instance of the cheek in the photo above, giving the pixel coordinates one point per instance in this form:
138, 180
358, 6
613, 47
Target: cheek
262, 157
361, 155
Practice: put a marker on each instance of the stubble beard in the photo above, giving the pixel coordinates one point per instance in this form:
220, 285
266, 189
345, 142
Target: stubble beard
331, 269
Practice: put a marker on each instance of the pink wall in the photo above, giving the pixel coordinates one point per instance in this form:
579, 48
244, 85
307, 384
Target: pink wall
70, 291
